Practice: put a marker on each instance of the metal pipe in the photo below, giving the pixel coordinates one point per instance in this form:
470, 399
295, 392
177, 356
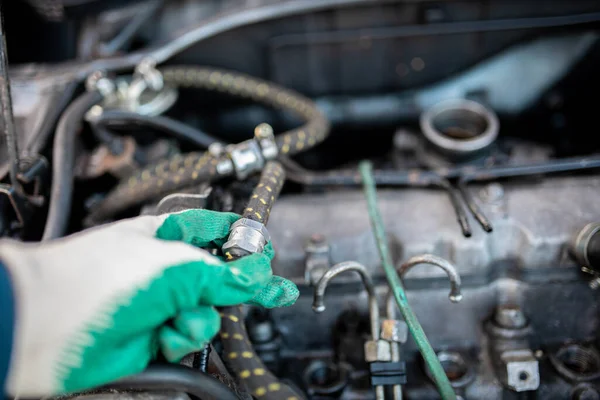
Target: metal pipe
390, 306
455, 294
319, 296
7, 111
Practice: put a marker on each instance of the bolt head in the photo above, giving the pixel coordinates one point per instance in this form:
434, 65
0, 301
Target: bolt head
522, 370
263, 131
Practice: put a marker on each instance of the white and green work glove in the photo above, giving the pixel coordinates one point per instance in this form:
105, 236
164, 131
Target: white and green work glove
99, 305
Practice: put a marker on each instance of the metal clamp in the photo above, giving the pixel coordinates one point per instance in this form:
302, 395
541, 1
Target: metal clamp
23, 204
248, 156
145, 92
248, 236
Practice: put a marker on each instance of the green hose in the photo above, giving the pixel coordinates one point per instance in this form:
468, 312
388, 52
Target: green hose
437, 372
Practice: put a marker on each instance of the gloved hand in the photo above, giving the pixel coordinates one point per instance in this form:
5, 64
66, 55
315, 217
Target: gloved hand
98, 305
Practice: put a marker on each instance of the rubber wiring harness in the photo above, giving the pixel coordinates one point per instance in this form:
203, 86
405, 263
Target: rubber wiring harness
189, 169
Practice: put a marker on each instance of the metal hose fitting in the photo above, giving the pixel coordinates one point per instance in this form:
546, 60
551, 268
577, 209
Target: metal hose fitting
193, 168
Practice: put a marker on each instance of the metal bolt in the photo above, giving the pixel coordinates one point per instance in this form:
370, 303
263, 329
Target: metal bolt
508, 316
263, 131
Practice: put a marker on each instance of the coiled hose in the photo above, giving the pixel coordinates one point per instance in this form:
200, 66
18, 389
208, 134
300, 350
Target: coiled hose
63, 164
193, 168
238, 352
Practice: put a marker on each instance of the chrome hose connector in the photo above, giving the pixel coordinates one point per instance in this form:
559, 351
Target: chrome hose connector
248, 236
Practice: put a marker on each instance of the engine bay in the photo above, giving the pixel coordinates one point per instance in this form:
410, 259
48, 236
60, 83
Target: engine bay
361, 138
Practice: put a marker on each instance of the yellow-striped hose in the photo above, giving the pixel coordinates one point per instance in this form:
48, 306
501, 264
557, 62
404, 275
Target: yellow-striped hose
193, 168
238, 353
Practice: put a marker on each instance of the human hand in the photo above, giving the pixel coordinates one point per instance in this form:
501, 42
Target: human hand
99, 305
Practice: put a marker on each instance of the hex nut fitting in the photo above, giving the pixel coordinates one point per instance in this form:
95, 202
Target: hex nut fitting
378, 351
522, 370
394, 330
247, 235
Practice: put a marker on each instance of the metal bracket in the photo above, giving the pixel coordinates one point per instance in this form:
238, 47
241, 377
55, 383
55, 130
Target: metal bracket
144, 93
31, 175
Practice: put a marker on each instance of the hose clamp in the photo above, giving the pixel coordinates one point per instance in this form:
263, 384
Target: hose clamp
248, 236
144, 93
251, 155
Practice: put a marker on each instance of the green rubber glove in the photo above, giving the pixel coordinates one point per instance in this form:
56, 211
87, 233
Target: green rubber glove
99, 305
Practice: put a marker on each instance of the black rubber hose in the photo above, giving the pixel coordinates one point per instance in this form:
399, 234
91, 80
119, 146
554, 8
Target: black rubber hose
111, 119
237, 348
178, 378
294, 141
162, 178
63, 163
150, 182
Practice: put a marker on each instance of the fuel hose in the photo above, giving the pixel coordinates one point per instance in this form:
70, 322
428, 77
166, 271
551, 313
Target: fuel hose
197, 167
238, 353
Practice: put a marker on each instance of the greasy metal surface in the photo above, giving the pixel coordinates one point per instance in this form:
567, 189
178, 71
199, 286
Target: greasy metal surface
523, 262
535, 221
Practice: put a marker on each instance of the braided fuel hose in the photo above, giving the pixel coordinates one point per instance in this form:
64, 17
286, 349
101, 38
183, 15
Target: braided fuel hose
237, 349
193, 168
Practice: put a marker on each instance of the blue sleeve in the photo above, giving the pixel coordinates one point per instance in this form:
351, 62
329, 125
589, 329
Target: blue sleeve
7, 321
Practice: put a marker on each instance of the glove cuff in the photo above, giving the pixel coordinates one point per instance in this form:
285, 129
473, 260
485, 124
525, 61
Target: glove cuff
7, 318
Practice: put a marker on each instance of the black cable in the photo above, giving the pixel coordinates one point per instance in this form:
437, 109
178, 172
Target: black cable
178, 378
63, 163
124, 119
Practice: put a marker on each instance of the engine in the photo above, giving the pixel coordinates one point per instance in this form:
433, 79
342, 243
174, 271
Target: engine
363, 139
